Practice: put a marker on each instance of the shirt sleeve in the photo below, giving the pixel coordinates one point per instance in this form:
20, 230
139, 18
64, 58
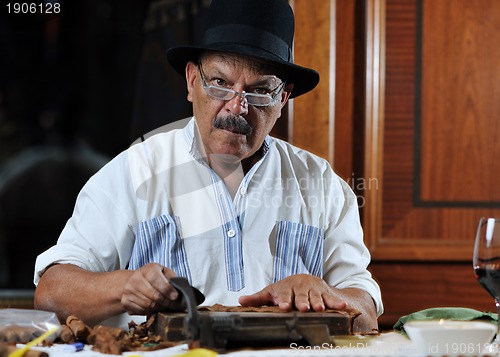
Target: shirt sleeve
99, 235
346, 257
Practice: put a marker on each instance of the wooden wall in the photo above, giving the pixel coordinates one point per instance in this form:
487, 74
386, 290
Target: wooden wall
408, 113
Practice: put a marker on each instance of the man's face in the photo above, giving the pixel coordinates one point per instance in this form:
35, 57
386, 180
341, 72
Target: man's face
233, 127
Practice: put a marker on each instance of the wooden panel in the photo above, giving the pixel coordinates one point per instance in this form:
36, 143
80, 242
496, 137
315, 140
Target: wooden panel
373, 119
406, 226
413, 287
399, 111
344, 88
312, 114
460, 123
421, 244
420, 225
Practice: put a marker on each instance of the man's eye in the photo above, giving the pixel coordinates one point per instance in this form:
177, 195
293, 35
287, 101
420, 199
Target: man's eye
219, 82
261, 90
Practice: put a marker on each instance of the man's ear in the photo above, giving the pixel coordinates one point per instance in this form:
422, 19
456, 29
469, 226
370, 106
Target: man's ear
285, 95
191, 74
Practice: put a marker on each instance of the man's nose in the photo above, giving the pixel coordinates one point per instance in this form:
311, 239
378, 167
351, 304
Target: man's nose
238, 105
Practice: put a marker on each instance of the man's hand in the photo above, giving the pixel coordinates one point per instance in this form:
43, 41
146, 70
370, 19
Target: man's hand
148, 290
308, 292
302, 291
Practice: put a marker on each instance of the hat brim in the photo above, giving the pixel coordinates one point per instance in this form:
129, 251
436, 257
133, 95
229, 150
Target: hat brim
303, 79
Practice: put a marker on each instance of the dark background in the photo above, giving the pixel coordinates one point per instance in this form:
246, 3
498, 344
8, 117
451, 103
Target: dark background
77, 88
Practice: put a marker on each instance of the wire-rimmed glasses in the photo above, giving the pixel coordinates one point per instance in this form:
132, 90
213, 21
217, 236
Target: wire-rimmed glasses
255, 99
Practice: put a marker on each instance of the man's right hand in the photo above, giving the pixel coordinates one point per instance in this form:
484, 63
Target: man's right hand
148, 290
96, 296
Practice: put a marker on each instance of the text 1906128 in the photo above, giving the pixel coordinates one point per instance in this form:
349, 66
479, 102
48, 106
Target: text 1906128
33, 8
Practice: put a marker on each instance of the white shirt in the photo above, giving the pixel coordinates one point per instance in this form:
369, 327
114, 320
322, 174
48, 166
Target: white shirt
159, 201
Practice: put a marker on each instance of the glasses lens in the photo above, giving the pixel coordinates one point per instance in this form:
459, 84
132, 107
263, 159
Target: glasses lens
220, 93
258, 100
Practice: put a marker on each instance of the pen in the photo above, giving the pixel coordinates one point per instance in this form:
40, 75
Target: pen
72, 347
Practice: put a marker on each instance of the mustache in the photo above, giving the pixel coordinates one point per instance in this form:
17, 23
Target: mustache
234, 124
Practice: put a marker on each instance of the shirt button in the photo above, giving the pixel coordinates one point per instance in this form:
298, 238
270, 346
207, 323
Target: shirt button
231, 233
243, 190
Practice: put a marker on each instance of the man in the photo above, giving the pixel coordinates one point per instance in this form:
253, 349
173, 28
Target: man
246, 218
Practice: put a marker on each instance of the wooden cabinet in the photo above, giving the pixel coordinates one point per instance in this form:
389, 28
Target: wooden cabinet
408, 112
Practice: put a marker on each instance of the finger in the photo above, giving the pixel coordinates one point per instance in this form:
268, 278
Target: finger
153, 300
147, 290
316, 301
163, 292
302, 301
285, 300
168, 273
172, 292
133, 298
334, 303
260, 298
137, 305
133, 309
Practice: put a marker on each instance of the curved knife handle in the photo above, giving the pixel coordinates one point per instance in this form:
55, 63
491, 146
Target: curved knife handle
191, 324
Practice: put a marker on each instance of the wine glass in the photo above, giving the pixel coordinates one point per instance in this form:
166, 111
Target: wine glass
486, 261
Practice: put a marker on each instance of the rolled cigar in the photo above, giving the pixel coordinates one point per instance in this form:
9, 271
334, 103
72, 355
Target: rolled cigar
81, 331
11, 336
29, 353
4, 352
66, 335
35, 353
18, 334
25, 335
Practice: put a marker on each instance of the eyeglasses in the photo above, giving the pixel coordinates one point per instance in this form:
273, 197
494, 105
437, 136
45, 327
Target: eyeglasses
255, 99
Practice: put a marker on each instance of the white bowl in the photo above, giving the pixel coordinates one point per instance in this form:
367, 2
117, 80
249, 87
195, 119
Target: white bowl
450, 338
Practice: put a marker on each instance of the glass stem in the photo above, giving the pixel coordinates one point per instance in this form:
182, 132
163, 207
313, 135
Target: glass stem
497, 337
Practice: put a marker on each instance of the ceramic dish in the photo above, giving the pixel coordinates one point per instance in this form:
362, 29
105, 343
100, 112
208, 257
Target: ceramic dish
451, 338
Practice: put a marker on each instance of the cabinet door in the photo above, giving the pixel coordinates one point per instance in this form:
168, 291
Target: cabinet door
434, 150
408, 112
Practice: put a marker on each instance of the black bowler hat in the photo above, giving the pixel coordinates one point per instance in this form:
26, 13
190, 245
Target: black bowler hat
257, 28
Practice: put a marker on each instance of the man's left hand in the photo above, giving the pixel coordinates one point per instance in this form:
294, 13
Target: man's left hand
302, 291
